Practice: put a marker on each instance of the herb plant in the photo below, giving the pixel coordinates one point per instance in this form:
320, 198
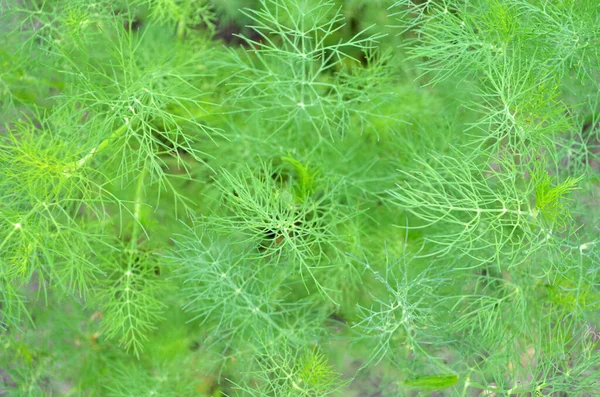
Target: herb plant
300, 198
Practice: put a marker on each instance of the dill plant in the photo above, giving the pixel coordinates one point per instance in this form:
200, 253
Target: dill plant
299, 198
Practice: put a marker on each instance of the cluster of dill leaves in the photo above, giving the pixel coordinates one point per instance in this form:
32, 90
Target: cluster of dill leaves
299, 197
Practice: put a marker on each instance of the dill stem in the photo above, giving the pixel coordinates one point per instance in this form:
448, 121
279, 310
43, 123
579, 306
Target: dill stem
137, 206
181, 28
82, 161
466, 384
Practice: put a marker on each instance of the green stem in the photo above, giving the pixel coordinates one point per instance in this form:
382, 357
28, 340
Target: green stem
137, 206
181, 28
82, 161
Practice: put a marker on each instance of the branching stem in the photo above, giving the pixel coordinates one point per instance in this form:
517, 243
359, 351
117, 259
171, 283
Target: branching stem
18, 226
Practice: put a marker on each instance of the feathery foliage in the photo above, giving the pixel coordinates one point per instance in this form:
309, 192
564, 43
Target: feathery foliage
299, 198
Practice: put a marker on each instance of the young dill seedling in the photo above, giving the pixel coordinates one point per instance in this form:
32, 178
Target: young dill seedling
290, 221
285, 76
404, 316
287, 370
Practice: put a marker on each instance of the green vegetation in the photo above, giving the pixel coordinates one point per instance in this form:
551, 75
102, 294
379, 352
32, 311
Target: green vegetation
300, 198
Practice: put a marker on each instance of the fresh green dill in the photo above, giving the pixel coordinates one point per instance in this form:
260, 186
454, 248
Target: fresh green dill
299, 198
